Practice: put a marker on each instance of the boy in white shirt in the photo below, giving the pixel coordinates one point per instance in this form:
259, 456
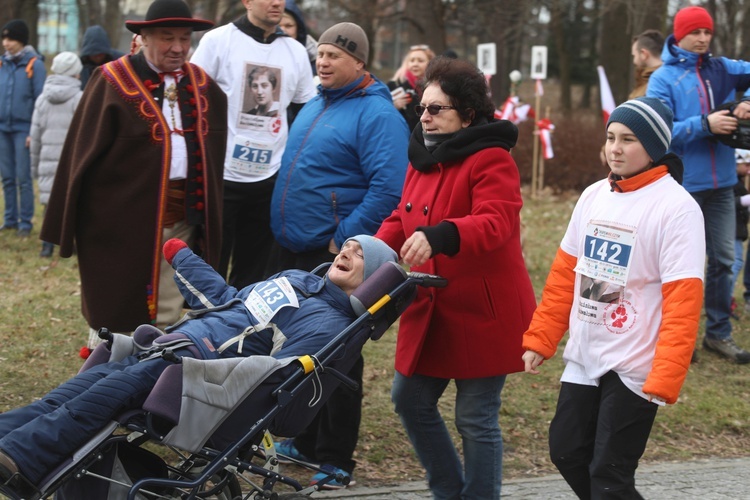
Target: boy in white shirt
629, 350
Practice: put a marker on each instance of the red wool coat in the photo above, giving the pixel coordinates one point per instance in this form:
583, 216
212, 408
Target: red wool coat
473, 327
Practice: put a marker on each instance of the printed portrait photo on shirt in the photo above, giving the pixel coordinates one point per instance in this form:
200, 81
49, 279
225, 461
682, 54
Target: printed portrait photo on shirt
260, 99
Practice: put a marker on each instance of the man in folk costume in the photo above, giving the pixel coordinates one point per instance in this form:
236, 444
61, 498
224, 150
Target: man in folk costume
143, 163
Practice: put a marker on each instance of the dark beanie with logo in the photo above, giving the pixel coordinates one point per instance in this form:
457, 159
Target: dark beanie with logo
348, 37
17, 30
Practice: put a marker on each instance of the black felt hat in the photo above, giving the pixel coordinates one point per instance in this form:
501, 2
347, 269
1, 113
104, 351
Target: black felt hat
169, 14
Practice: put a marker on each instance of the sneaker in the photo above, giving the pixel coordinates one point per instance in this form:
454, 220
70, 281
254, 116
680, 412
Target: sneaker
341, 479
727, 348
24, 233
286, 450
6, 227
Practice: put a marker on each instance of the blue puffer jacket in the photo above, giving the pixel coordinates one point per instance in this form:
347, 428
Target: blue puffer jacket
343, 168
693, 85
219, 313
18, 92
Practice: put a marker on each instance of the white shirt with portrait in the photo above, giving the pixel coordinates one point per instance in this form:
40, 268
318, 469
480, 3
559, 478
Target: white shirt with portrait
642, 239
255, 143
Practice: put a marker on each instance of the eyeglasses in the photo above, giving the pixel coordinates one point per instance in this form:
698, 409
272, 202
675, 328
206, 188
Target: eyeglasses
433, 109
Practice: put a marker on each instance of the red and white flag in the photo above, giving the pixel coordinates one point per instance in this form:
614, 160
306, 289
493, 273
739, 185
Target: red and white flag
545, 136
608, 102
514, 111
539, 88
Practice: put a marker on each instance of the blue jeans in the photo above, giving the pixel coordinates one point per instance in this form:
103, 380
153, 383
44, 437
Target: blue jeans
719, 217
739, 261
15, 168
477, 411
746, 276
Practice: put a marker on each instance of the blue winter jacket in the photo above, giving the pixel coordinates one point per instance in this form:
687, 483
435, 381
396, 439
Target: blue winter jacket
693, 85
19, 89
343, 167
219, 314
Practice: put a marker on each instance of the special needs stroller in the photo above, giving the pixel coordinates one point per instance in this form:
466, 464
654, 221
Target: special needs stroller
216, 416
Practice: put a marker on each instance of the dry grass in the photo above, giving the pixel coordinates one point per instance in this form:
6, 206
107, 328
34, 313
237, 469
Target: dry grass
42, 331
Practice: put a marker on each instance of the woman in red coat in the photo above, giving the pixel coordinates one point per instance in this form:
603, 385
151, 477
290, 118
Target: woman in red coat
459, 218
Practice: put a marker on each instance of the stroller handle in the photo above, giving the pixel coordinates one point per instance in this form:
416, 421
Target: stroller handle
428, 280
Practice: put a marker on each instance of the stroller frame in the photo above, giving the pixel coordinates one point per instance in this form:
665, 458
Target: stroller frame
214, 473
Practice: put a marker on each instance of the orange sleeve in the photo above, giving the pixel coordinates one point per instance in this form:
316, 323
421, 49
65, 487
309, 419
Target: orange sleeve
552, 316
680, 316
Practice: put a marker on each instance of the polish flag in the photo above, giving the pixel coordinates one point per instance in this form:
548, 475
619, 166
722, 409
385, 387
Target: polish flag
514, 111
539, 88
608, 102
545, 135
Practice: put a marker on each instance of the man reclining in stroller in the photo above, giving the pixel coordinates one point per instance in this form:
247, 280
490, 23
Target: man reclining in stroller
291, 314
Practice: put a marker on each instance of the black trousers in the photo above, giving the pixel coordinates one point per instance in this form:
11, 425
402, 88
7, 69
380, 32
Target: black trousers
247, 240
598, 435
332, 436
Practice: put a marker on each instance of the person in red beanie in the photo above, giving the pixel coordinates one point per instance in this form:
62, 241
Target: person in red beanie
694, 84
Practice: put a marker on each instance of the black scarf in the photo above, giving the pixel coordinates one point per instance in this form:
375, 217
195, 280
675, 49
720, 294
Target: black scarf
465, 142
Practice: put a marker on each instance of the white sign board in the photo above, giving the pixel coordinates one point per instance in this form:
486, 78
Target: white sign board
539, 62
486, 58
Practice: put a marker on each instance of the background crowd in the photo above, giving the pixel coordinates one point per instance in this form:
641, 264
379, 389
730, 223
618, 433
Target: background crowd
264, 149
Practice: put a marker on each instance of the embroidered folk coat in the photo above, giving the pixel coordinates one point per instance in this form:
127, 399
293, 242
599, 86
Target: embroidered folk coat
108, 200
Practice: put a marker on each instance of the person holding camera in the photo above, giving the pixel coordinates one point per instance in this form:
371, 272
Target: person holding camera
694, 84
405, 88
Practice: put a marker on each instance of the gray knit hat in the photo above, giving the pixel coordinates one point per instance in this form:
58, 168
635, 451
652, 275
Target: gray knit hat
66, 63
348, 37
374, 251
651, 122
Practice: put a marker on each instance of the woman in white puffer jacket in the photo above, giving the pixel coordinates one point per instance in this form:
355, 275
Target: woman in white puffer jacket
53, 112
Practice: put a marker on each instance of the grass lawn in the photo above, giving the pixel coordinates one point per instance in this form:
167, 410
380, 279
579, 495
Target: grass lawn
42, 330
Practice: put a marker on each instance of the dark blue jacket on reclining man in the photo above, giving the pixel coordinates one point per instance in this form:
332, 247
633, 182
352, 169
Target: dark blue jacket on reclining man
291, 314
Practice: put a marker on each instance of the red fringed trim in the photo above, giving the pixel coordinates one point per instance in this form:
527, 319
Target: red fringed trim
85, 352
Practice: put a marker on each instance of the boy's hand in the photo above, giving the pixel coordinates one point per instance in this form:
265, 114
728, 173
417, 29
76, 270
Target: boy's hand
531, 361
171, 247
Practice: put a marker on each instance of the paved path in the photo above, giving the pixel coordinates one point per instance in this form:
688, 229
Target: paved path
714, 479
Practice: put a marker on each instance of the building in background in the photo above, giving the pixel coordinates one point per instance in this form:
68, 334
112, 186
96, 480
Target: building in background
58, 26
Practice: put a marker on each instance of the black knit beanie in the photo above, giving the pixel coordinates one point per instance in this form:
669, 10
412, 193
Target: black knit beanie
17, 29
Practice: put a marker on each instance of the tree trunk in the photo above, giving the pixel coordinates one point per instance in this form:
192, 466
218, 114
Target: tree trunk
744, 52
614, 53
113, 22
590, 63
557, 31
424, 24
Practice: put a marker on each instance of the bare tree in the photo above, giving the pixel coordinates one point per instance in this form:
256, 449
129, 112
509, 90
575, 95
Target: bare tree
424, 23
615, 43
113, 22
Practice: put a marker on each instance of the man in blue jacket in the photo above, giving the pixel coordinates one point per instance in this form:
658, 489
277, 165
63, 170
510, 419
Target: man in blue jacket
22, 76
291, 314
693, 84
341, 174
